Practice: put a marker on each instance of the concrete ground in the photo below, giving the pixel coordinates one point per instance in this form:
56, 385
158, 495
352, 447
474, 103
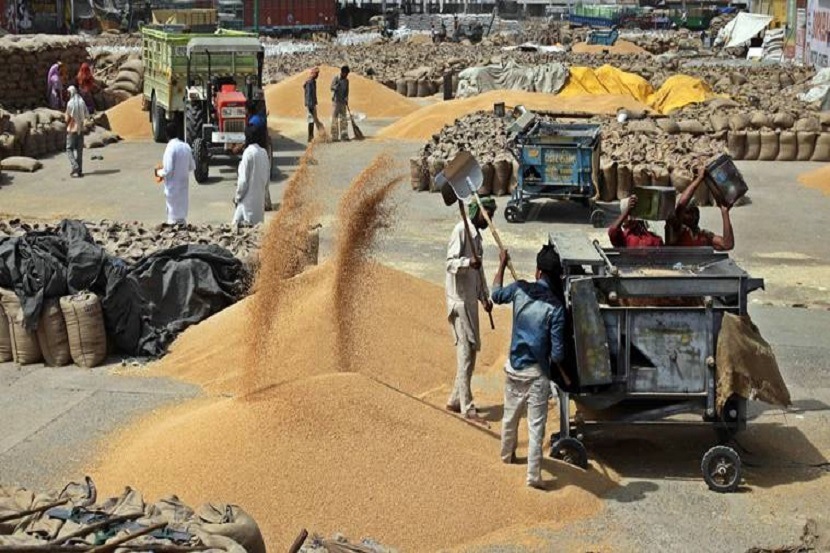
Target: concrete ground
661, 503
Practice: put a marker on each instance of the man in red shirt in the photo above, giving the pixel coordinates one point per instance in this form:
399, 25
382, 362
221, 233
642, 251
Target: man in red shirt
627, 232
682, 229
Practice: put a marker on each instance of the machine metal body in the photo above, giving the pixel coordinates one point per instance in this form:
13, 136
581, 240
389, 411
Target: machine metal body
604, 37
645, 325
556, 161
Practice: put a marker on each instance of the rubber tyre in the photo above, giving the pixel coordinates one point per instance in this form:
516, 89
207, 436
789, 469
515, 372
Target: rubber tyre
513, 214
571, 451
195, 119
721, 468
201, 157
159, 120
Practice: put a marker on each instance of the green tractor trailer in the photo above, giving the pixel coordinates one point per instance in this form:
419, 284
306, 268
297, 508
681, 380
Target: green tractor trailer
209, 84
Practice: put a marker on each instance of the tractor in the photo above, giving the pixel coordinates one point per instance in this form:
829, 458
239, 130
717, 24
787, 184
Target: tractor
217, 106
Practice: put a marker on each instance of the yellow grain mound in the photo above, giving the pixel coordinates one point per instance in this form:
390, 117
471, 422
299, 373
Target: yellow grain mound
430, 120
817, 178
286, 98
128, 121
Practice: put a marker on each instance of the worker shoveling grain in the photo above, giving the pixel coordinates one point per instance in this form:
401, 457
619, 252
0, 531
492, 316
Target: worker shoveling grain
285, 99
354, 452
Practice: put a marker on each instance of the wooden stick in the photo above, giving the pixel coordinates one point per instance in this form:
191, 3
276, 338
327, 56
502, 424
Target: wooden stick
299, 541
114, 544
93, 527
36, 510
496, 236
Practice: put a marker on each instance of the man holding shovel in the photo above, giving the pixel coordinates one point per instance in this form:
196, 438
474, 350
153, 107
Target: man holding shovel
465, 286
310, 94
340, 105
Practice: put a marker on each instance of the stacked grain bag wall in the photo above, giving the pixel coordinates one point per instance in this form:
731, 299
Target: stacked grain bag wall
26, 63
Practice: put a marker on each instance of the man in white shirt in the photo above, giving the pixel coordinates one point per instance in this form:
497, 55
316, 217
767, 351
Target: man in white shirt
177, 165
76, 114
465, 287
254, 172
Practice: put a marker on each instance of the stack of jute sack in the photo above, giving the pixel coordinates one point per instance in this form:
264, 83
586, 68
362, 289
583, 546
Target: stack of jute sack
70, 330
26, 63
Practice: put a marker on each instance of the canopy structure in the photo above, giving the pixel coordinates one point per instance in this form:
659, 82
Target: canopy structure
740, 30
223, 45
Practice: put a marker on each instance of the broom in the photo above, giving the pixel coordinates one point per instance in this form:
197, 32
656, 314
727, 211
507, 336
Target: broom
358, 134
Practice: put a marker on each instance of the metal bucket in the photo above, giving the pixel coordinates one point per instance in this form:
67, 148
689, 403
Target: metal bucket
725, 181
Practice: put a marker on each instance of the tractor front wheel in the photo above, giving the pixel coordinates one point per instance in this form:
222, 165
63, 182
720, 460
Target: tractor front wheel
202, 158
195, 119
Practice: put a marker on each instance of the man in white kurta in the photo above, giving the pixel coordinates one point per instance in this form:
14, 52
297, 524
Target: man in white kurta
465, 287
177, 165
254, 172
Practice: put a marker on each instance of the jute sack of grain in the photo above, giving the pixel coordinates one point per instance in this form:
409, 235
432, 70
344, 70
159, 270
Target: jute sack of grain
785, 80
783, 120
760, 120
660, 176
424, 88
503, 174
133, 79
608, 183
824, 118
806, 144
787, 146
736, 144
232, 522
811, 124
416, 174
822, 149
669, 126
738, 122
400, 87
753, 145
691, 126
20, 163
488, 173
85, 326
411, 88
25, 349
6, 353
640, 176
719, 122
769, 146
51, 335
624, 181
435, 167
680, 179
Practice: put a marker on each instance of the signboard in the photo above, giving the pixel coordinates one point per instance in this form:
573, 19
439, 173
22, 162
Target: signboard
818, 32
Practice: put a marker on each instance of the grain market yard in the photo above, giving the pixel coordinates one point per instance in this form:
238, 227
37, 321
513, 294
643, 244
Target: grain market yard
635, 476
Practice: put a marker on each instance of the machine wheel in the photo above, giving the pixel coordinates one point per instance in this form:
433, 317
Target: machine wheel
571, 451
202, 159
194, 121
598, 218
159, 120
721, 467
513, 214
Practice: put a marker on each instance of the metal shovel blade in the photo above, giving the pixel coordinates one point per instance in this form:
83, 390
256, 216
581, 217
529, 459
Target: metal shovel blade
464, 174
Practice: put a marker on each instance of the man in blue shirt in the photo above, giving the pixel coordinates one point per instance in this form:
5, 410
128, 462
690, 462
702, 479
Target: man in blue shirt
536, 345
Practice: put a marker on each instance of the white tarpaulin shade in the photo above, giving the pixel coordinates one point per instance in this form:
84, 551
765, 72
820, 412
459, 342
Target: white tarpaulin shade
741, 29
548, 77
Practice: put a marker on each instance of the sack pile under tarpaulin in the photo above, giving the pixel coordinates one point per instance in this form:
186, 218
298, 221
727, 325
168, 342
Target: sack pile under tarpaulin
66, 518
746, 364
510, 75
145, 305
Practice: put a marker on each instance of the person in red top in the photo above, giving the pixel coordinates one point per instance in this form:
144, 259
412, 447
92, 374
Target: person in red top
682, 228
628, 232
87, 86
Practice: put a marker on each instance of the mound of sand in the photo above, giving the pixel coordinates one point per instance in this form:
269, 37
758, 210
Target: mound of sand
621, 47
429, 120
817, 178
285, 99
128, 121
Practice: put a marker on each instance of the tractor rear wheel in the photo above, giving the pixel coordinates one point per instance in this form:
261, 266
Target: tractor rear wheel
195, 119
202, 158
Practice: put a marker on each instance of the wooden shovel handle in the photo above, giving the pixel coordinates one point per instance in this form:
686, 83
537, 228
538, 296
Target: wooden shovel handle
495, 233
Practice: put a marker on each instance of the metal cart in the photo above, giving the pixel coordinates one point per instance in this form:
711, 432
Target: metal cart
645, 326
557, 161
